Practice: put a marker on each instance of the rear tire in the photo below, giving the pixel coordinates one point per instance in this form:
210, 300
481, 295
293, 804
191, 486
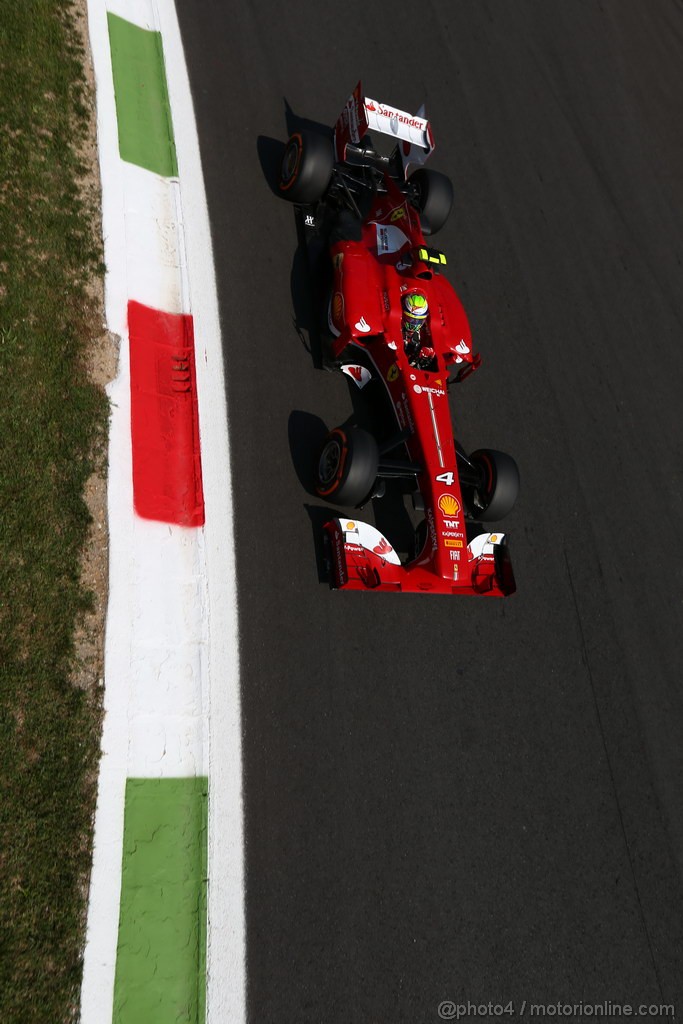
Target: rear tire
495, 497
306, 167
433, 199
347, 466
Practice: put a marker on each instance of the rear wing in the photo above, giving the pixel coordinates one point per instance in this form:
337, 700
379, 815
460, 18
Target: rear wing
361, 114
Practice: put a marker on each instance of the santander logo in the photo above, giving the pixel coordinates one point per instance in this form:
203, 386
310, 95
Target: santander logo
412, 122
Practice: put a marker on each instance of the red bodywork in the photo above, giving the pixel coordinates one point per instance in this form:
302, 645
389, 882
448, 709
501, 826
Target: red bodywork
370, 277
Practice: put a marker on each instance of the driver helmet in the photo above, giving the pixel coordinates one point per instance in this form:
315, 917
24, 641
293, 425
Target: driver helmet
415, 312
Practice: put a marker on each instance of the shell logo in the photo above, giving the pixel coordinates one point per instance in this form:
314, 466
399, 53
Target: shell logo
449, 505
350, 526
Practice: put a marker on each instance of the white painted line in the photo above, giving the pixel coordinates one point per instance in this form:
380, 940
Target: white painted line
99, 962
155, 269
167, 704
140, 12
226, 970
113, 224
97, 989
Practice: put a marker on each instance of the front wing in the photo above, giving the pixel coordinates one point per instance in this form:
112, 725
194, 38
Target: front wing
360, 558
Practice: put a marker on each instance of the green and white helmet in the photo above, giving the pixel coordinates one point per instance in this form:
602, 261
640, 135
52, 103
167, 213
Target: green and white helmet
415, 311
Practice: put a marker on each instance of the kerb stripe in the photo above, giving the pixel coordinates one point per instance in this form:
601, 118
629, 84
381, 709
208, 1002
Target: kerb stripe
167, 471
142, 106
160, 963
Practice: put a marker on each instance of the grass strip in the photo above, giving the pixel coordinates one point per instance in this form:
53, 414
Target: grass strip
160, 962
52, 425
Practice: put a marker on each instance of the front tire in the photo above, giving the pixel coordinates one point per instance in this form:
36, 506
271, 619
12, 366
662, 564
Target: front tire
306, 167
347, 466
496, 494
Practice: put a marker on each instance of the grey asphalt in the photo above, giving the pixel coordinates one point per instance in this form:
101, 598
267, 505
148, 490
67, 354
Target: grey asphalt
466, 799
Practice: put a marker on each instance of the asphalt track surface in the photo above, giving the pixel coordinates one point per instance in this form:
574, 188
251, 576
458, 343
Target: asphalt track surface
452, 798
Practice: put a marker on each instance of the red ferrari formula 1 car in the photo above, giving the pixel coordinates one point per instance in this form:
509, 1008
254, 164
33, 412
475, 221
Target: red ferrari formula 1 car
397, 329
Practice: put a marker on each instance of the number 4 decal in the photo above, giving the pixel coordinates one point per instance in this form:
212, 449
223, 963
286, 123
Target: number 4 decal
446, 478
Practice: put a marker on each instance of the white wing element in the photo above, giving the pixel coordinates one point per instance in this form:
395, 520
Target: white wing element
411, 128
358, 374
484, 544
367, 536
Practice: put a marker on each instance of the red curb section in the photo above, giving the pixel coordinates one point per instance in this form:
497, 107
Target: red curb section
167, 467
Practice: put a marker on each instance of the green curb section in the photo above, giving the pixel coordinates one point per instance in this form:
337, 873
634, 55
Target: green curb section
161, 955
142, 106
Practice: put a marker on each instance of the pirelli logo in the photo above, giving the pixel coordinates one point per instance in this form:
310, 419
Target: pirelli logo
453, 543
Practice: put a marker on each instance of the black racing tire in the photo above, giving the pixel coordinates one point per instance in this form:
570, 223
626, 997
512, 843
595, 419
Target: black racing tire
433, 198
347, 466
306, 168
497, 493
